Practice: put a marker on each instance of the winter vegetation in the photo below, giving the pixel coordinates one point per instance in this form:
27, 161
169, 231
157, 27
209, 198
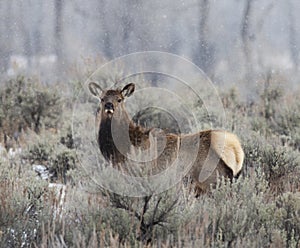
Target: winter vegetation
49, 200
50, 197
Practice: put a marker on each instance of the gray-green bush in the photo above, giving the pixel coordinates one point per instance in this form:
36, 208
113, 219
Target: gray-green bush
259, 209
27, 103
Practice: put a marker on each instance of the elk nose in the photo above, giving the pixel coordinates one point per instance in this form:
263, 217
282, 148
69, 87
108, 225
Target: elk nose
109, 106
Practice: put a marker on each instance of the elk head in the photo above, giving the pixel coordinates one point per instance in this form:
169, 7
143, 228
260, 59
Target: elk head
111, 101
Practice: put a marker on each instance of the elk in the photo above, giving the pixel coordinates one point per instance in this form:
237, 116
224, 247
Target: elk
218, 152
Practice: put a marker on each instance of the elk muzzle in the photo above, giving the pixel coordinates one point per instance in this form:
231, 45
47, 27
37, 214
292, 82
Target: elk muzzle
109, 108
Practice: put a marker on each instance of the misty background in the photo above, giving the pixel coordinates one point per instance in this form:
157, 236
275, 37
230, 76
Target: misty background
236, 42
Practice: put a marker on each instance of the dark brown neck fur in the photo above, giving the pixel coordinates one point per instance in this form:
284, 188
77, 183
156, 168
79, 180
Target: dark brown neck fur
138, 136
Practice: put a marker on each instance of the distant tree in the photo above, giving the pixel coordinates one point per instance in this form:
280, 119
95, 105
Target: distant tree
204, 51
259, 32
293, 45
101, 18
5, 47
246, 36
58, 31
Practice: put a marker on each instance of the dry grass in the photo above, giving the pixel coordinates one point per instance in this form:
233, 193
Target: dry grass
259, 209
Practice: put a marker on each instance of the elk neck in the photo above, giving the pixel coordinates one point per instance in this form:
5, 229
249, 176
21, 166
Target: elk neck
122, 124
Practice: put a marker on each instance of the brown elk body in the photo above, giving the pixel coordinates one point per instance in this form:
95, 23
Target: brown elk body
219, 152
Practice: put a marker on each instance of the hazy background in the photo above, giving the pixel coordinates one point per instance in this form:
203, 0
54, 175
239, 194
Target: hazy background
236, 42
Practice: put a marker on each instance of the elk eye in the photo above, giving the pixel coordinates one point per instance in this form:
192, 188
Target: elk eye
101, 100
120, 100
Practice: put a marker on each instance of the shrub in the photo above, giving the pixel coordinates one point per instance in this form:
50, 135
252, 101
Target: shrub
50, 152
27, 103
152, 217
21, 206
280, 165
288, 218
259, 209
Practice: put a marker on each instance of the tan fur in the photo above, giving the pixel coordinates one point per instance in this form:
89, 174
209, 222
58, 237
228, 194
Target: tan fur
229, 149
219, 152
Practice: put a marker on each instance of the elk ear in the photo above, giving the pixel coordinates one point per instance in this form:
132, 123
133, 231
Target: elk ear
128, 90
95, 89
